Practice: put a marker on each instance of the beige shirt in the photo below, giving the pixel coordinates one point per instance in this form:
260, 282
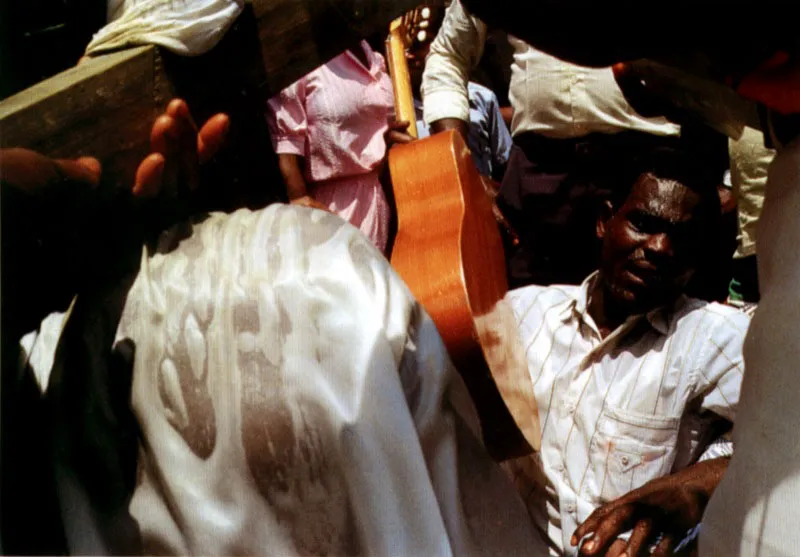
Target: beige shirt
549, 96
750, 161
619, 411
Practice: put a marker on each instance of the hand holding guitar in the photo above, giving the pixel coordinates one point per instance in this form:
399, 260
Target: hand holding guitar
397, 133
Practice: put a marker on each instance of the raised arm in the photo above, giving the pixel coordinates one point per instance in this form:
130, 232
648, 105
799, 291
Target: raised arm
456, 49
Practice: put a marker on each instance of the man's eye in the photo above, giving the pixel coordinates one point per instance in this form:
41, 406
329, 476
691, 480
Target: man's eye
638, 223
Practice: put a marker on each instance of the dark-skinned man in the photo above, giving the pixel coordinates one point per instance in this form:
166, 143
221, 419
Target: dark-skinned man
754, 510
568, 121
634, 381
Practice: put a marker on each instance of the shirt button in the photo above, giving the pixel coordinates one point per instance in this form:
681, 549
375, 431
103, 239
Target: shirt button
625, 460
571, 409
570, 508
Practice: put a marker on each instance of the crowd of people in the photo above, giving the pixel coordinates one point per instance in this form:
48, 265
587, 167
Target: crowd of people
262, 381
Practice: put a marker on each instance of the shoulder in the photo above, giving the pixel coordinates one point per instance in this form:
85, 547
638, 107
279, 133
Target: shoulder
710, 333
531, 302
278, 241
710, 316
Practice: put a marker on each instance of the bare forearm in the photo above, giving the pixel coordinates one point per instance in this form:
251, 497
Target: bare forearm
508, 114
451, 124
704, 476
292, 171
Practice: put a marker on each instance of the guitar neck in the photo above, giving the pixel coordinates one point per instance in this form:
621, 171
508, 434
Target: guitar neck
401, 78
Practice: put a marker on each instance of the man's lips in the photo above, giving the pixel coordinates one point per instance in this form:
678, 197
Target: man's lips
643, 273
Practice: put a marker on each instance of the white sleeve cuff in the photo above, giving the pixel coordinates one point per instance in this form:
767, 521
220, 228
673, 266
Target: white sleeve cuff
719, 448
445, 104
289, 145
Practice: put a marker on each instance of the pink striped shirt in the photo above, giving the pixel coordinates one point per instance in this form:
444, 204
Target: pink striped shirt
335, 117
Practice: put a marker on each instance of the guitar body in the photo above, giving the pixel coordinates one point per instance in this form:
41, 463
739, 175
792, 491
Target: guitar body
448, 248
449, 252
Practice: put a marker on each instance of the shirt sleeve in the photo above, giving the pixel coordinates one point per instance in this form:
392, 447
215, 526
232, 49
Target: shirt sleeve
456, 49
288, 120
720, 368
720, 447
499, 137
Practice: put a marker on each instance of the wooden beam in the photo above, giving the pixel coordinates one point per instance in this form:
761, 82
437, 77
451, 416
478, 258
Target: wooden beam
104, 107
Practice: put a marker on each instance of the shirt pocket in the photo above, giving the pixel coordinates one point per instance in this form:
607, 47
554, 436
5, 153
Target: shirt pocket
629, 449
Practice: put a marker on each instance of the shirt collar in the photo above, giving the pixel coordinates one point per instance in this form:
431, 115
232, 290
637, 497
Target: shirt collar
578, 305
372, 67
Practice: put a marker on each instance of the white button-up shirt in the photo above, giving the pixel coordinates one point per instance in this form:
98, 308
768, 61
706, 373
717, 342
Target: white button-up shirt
549, 96
619, 411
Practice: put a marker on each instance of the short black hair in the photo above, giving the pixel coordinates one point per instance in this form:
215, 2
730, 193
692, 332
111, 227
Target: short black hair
689, 168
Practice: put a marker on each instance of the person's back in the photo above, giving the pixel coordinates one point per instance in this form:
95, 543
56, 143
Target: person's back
292, 397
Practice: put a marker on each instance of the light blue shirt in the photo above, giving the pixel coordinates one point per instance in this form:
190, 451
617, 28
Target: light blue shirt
489, 139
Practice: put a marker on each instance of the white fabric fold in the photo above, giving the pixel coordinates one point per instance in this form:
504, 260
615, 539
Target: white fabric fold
294, 398
186, 27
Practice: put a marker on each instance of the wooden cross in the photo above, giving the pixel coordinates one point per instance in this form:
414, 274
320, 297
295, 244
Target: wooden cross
105, 106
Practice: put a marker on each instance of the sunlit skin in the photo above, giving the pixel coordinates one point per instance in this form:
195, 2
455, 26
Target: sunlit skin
649, 251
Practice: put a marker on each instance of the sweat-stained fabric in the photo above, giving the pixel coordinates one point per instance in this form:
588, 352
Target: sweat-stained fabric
291, 397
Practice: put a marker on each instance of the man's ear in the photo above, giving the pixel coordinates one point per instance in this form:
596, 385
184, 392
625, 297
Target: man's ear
606, 212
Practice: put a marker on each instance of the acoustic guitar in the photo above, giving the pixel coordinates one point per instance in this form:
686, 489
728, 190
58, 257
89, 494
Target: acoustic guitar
449, 252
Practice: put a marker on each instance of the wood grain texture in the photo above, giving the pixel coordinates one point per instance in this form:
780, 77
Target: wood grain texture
105, 106
401, 78
449, 251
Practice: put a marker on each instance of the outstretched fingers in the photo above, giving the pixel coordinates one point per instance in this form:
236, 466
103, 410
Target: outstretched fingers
212, 136
149, 176
177, 150
397, 133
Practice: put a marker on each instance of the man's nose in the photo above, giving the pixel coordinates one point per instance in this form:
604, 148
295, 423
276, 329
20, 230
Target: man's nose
660, 245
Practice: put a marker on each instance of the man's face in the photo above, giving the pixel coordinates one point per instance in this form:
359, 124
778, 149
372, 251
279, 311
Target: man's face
650, 244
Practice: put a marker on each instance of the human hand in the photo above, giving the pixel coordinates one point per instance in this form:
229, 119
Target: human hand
396, 133
642, 97
664, 509
776, 84
308, 201
178, 150
56, 218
